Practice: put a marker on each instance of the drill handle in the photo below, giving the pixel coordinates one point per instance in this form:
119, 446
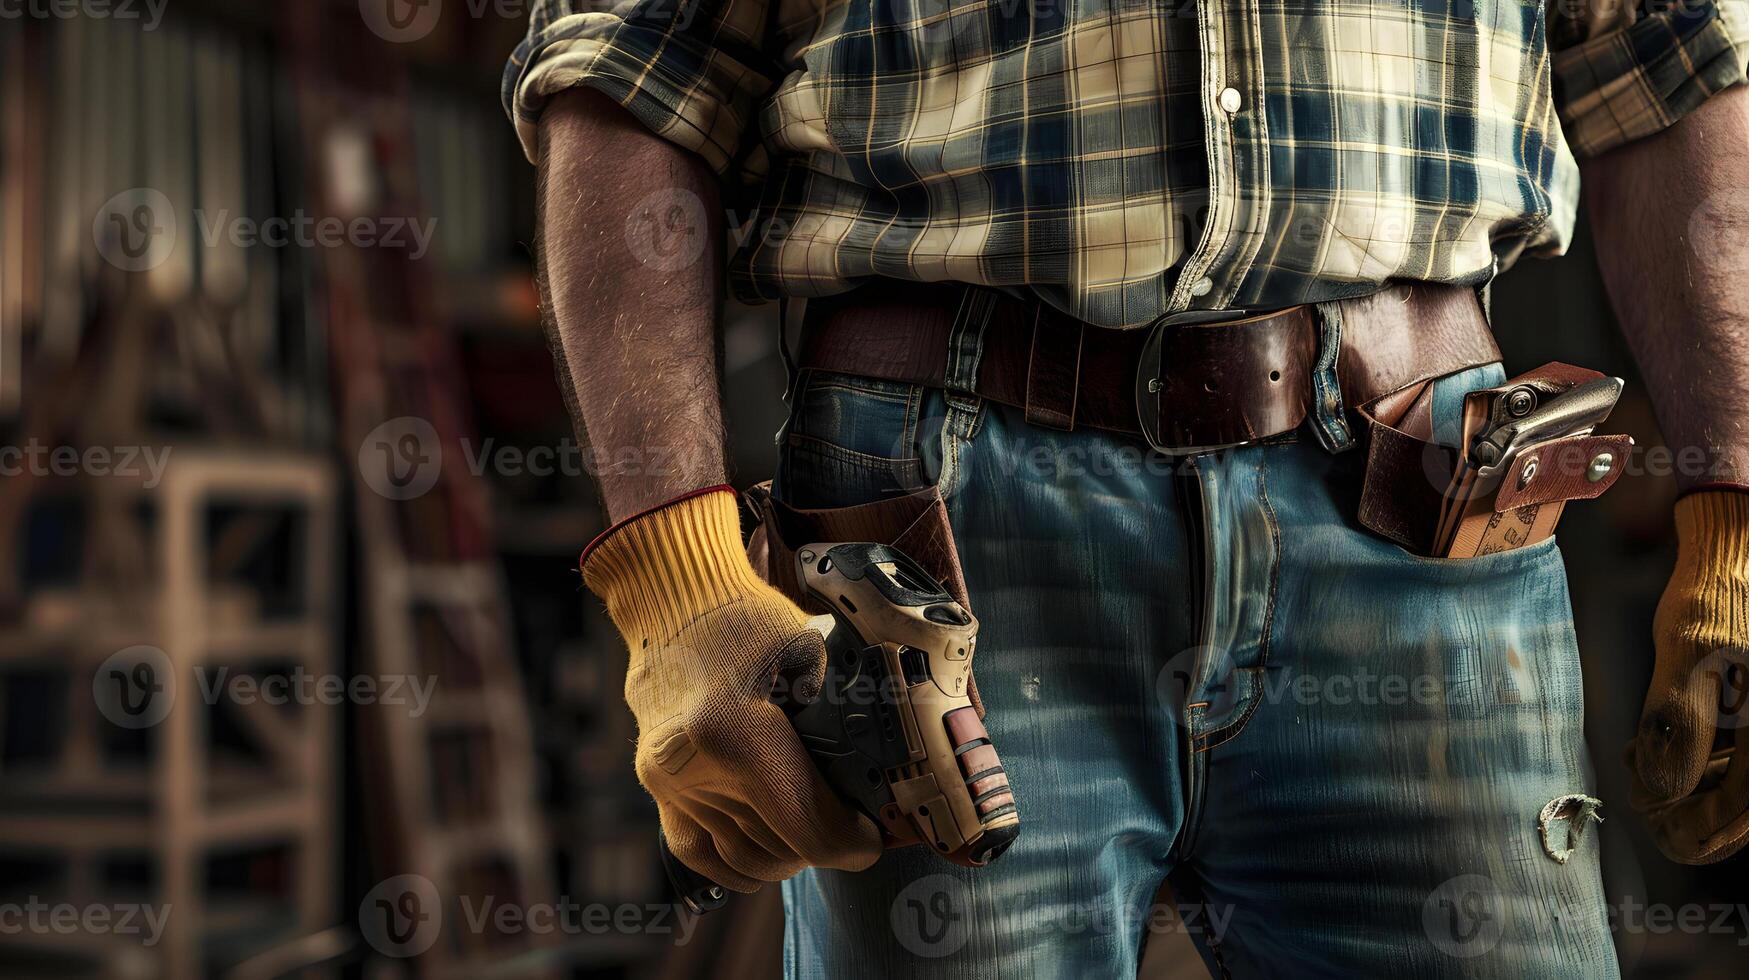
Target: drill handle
696, 892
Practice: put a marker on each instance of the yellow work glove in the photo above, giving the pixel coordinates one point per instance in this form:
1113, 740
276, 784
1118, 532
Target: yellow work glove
1700, 687
739, 797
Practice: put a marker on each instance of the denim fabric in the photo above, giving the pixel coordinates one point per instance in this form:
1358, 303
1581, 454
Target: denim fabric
1206, 669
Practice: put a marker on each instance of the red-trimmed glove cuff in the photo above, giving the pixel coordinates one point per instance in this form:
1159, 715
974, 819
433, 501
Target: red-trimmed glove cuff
1715, 486
617, 526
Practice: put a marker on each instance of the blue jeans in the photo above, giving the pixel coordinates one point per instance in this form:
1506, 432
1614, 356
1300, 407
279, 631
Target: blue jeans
1348, 760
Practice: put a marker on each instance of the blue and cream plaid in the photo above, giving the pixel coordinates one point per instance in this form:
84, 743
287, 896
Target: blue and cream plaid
1128, 158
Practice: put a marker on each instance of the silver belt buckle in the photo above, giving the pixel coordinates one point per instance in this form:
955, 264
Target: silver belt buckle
1150, 377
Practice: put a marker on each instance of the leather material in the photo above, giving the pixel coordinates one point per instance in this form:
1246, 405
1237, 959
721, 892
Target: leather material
1391, 338
1236, 381
1563, 469
1221, 383
1407, 476
915, 524
1405, 481
1053, 373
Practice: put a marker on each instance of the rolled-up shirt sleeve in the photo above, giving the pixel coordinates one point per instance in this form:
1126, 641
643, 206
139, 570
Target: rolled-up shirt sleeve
1626, 69
692, 71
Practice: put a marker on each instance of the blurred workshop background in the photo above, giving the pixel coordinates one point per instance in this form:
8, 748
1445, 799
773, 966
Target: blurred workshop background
296, 675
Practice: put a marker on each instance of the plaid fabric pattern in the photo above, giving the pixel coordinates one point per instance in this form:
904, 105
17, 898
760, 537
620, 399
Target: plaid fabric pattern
1123, 159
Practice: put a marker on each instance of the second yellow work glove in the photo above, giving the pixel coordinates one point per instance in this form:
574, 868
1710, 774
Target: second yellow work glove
1698, 703
739, 797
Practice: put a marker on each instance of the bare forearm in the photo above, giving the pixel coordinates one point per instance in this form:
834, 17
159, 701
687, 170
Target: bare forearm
631, 249
1672, 222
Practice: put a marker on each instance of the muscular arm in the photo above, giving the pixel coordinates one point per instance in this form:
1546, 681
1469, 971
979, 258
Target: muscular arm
632, 312
632, 244
1673, 235
1671, 215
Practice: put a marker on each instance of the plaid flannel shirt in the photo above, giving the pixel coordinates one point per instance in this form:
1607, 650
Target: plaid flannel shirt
1128, 158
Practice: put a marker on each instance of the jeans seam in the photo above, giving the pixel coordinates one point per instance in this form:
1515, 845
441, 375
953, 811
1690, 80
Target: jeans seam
848, 386
1194, 775
1274, 524
913, 413
1234, 728
1231, 730
832, 450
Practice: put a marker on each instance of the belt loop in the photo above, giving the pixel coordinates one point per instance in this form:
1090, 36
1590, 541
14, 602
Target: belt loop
791, 373
965, 351
1485, 294
1329, 416
1053, 370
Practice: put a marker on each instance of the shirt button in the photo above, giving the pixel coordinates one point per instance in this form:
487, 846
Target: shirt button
1205, 285
1230, 100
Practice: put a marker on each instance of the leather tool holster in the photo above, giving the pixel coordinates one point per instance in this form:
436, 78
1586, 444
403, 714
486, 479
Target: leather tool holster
915, 524
1411, 481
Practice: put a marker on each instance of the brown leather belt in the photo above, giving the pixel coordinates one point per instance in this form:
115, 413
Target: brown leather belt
1182, 386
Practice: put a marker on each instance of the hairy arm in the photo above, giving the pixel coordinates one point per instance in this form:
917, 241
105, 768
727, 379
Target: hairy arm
1671, 215
1673, 234
631, 256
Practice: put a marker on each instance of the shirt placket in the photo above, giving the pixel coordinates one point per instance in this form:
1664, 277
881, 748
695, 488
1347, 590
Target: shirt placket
1232, 93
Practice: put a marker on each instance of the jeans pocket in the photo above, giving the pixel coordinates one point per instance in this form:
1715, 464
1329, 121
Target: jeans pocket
852, 440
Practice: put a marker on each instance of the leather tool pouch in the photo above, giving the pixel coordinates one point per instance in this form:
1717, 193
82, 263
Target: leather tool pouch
1436, 502
915, 524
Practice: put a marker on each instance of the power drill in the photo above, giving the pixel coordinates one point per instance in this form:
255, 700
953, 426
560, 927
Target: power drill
893, 729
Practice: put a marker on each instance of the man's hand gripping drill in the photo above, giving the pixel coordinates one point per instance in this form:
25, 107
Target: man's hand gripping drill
771, 742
